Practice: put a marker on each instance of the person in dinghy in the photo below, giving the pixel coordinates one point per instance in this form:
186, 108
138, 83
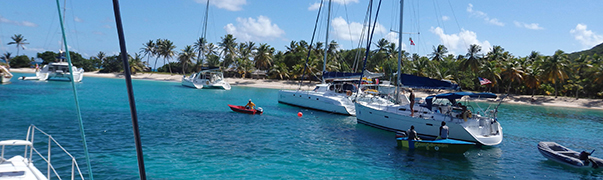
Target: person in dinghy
250, 105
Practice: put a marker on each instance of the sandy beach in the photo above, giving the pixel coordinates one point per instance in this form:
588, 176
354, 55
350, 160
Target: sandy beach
538, 100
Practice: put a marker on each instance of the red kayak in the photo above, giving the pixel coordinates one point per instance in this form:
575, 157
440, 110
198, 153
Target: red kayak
242, 109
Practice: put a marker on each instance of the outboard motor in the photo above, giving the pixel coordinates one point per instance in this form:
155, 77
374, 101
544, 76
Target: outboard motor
260, 109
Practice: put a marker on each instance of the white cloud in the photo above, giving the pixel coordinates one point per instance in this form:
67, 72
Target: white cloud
345, 1
586, 37
532, 26
231, 5
316, 5
22, 23
352, 31
77, 19
459, 43
252, 29
445, 18
484, 16
107, 26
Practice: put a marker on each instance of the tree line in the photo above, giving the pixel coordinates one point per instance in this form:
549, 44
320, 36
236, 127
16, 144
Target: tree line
534, 74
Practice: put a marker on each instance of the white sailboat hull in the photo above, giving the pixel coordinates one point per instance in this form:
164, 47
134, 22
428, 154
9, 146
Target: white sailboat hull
205, 84
323, 101
58, 71
484, 131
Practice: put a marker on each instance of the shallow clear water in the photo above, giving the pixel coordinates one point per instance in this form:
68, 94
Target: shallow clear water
192, 134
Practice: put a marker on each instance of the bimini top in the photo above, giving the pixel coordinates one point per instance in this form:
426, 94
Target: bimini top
349, 76
452, 97
210, 69
418, 82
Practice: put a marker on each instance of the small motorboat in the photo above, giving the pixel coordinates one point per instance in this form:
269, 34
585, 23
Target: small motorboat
563, 155
243, 109
438, 145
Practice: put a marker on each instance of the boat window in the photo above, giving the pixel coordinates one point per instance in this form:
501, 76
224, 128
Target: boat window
316, 88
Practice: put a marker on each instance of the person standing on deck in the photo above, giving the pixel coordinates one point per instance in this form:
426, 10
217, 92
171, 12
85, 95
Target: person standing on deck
412, 102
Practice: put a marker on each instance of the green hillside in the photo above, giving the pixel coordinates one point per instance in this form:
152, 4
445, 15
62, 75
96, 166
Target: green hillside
598, 49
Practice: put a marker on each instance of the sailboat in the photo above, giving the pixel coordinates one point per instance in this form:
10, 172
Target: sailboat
335, 96
465, 122
5, 75
207, 78
58, 71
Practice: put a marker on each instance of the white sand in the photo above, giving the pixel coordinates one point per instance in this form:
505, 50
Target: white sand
287, 84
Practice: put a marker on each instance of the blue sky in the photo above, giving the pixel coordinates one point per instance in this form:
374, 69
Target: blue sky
518, 26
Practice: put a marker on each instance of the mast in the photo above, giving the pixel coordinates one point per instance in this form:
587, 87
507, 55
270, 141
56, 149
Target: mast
203, 36
75, 96
397, 98
324, 63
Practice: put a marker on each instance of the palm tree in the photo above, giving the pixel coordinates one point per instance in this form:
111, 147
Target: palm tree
473, 60
136, 63
263, 56
490, 71
156, 52
6, 57
280, 70
512, 72
228, 45
148, 49
439, 53
166, 49
497, 54
555, 68
530, 79
186, 56
382, 44
200, 47
19, 41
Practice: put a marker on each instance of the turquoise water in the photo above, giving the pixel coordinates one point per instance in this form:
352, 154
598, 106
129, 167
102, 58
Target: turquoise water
192, 134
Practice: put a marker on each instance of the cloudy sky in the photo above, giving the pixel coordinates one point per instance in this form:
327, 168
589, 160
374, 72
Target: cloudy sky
518, 26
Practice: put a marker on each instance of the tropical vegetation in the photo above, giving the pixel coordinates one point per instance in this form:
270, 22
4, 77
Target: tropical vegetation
578, 74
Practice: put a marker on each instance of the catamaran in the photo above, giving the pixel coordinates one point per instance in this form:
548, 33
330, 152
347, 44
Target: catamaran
57, 71
206, 79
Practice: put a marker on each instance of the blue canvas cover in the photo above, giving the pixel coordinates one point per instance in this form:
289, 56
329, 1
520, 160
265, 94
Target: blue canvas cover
452, 97
413, 81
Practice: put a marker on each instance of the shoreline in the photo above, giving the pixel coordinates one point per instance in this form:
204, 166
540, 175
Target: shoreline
538, 100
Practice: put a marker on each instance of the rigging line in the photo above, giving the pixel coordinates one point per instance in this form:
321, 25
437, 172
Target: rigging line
310, 48
361, 38
77, 104
128, 78
457, 22
74, 27
349, 22
369, 38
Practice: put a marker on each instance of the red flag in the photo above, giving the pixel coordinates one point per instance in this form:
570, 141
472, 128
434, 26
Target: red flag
411, 42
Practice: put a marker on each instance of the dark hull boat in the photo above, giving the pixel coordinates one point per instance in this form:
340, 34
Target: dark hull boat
438, 145
242, 109
563, 155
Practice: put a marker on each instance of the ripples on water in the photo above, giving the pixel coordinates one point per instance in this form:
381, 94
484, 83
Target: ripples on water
192, 134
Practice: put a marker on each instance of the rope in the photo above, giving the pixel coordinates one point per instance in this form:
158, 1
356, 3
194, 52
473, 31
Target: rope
77, 104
